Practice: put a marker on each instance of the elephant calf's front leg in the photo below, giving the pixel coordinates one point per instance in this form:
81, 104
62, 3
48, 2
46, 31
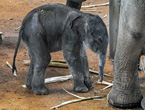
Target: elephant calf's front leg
87, 80
76, 69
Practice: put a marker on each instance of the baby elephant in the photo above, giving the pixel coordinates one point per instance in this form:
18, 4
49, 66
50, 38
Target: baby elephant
55, 27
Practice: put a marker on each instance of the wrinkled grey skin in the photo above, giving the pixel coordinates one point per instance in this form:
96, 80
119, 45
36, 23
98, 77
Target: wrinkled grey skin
56, 27
126, 91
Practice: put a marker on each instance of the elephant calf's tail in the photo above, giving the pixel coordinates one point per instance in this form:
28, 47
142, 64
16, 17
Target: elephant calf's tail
15, 54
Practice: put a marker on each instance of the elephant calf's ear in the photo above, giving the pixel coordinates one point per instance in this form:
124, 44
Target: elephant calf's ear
76, 24
72, 16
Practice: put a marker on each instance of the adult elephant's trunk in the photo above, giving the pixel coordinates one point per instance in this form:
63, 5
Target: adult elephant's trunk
126, 90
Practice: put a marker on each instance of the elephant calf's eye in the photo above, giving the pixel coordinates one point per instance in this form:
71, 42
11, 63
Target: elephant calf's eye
98, 41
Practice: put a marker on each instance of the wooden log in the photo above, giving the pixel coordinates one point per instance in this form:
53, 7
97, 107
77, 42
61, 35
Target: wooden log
98, 5
55, 79
59, 64
104, 83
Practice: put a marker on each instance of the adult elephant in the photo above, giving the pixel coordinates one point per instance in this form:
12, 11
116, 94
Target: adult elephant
75, 3
126, 90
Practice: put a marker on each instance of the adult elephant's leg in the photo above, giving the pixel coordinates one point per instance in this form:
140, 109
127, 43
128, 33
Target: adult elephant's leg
126, 90
75, 3
143, 103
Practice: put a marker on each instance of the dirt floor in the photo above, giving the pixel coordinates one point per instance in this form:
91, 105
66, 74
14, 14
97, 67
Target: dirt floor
13, 96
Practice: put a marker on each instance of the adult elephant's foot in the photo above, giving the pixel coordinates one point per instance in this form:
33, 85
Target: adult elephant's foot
143, 103
125, 98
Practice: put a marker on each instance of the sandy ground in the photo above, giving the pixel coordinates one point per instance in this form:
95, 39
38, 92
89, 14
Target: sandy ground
13, 96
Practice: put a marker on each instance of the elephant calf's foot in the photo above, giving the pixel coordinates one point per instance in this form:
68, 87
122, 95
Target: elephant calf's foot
29, 82
81, 89
28, 85
42, 91
89, 83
